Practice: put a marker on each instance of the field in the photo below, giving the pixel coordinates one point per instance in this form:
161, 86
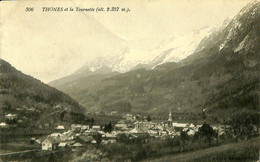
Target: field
240, 151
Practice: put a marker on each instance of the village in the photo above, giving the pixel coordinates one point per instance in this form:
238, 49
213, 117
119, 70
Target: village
94, 140
79, 136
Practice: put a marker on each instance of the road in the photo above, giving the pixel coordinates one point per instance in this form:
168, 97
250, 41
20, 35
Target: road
201, 153
18, 152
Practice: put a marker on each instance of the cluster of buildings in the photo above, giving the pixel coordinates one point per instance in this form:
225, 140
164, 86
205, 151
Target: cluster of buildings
79, 135
157, 130
136, 128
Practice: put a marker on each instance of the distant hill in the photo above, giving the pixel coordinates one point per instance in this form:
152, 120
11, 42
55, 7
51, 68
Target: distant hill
82, 73
35, 103
221, 76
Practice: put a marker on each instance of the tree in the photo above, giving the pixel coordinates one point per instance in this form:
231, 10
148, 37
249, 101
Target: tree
184, 139
123, 138
92, 120
184, 136
244, 124
206, 132
52, 157
98, 138
108, 127
149, 119
62, 115
141, 154
6, 105
78, 117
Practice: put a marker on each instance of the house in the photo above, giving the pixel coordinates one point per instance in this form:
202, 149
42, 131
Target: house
108, 136
162, 132
65, 136
113, 113
144, 126
76, 127
60, 127
130, 117
120, 126
32, 109
71, 143
11, 116
69, 134
152, 132
55, 135
179, 126
63, 146
84, 139
96, 127
49, 144
91, 132
32, 140
94, 142
4, 125
191, 132
73, 126
84, 127
138, 132
77, 145
37, 141
191, 125
101, 132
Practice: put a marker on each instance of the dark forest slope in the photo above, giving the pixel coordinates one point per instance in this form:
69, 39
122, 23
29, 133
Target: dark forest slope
35, 103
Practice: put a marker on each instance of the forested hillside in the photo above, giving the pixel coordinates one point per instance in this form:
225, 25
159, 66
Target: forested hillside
34, 103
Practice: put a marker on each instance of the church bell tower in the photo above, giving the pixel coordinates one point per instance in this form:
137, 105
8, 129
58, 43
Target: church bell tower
170, 120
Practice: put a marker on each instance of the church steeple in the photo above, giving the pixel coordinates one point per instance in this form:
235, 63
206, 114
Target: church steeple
170, 119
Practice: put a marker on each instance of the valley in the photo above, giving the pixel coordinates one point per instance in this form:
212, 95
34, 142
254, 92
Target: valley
192, 97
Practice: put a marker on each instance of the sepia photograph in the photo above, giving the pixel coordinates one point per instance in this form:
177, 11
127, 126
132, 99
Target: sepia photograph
129, 80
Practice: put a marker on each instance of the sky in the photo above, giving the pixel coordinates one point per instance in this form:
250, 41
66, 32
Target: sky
51, 45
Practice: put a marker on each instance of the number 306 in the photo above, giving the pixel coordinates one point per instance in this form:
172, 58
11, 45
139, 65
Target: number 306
29, 9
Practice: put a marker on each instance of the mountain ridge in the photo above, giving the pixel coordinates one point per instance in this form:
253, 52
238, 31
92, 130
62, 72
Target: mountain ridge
127, 59
212, 78
35, 103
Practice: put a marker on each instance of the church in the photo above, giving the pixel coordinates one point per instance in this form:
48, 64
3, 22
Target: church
170, 120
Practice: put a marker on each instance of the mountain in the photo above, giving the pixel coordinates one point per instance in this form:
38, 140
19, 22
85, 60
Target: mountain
221, 76
128, 58
83, 72
35, 103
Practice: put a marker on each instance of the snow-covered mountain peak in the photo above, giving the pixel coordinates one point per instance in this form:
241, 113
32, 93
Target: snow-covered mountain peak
173, 49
